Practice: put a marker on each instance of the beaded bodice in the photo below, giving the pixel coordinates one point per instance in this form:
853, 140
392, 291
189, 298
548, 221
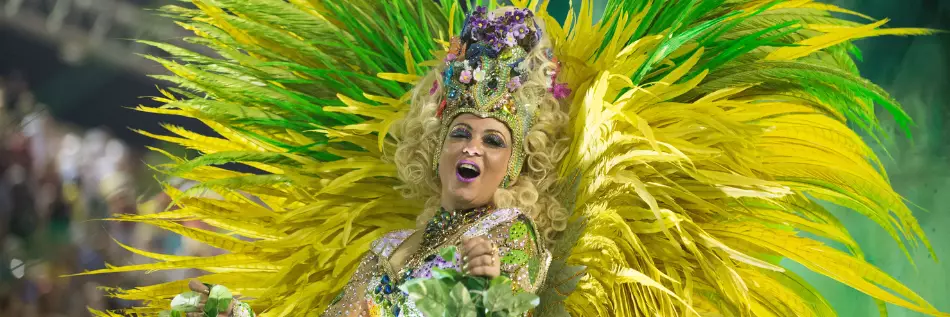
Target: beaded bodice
377, 284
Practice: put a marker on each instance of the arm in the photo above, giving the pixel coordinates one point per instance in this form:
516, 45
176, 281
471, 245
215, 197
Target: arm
350, 301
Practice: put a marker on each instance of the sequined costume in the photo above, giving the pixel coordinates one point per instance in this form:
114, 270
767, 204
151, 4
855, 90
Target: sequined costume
376, 282
699, 138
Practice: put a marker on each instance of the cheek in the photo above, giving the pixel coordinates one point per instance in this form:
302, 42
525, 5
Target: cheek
499, 163
446, 161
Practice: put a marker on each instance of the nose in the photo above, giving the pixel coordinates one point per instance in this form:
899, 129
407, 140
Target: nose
472, 149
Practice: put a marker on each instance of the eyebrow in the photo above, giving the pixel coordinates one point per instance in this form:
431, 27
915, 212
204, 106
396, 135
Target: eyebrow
486, 130
494, 131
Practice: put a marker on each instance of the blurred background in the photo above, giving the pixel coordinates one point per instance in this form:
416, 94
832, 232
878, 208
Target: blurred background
68, 155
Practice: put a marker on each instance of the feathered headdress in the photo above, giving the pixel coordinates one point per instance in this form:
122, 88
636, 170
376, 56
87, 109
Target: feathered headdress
485, 66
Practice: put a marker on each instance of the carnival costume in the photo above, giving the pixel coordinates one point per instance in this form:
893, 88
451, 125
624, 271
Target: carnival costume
701, 134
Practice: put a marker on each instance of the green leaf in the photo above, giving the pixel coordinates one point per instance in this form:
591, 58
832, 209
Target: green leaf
184, 302
429, 295
501, 280
499, 297
218, 301
448, 253
475, 283
460, 302
522, 303
450, 275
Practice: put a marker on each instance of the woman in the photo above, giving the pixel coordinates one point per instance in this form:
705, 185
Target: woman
491, 108
496, 149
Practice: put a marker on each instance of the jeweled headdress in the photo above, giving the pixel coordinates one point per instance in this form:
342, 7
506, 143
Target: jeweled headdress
484, 68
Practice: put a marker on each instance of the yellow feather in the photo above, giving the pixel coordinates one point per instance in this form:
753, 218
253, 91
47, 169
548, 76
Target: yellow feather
407, 54
398, 77
815, 256
359, 108
835, 36
809, 4
237, 261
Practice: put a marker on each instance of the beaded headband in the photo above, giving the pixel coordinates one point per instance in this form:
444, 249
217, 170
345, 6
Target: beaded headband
484, 67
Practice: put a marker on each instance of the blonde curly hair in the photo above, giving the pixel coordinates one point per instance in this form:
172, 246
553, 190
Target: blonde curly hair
534, 191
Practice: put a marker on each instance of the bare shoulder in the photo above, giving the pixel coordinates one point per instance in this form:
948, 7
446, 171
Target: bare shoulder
385, 245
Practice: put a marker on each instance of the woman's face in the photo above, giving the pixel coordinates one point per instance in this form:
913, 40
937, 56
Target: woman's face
473, 161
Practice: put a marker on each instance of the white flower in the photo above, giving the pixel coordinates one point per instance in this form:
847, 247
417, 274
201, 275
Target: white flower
479, 74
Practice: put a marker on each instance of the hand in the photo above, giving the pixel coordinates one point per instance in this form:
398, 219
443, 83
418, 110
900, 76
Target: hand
200, 288
480, 257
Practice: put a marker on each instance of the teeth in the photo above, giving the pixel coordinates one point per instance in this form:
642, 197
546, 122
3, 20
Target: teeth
468, 166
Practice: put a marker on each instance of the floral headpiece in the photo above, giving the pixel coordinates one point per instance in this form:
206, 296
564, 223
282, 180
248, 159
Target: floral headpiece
484, 67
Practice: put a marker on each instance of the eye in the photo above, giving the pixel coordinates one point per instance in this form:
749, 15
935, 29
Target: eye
494, 140
460, 133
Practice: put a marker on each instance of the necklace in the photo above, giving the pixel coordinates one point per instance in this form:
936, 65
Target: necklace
446, 222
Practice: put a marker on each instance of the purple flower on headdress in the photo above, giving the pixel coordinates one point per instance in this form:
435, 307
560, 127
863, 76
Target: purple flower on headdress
479, 24
514, 83
490, 37
481, 10
450, 57
560, 91
466, 76
519, 31
518, 16
496, 43
510, 40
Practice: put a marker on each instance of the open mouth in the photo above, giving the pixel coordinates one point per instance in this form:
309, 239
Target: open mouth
467, 171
